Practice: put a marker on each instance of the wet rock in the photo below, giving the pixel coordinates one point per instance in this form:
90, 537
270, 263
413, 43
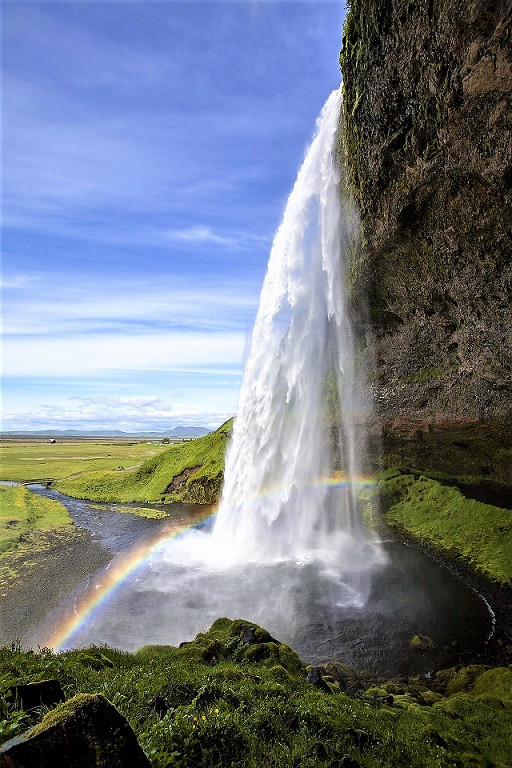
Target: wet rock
160, 705
45, 693
318, 750
314, 677
346, 677
85, 732
248, 634
422, 643
360, 738
348, 762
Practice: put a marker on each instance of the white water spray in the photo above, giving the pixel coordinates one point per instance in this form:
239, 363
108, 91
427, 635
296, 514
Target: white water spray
276, 503
288, 551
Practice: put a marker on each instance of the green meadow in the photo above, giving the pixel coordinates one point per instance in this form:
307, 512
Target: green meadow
190, 472
235, 703
23, 513
441, 516
31, 460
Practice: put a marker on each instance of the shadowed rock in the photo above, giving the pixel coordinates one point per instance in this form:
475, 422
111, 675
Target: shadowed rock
85, 732
45, 693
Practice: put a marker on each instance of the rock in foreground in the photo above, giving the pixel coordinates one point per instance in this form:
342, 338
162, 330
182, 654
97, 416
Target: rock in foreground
85, 732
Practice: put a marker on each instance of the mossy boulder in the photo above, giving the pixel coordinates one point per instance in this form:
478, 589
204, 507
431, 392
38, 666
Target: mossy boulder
85, 732
422, 643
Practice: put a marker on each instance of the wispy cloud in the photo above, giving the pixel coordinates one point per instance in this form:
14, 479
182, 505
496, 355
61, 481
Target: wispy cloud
18, 281
101, 304
87, 355
200, 234
127, 414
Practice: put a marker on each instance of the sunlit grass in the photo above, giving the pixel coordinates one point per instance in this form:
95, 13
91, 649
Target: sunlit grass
29, 460
196, 467
23, 512
229, 706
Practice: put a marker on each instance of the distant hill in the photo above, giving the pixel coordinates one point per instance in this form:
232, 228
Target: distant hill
181, 431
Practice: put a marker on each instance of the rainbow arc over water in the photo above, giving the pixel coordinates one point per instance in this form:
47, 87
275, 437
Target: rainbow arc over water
114, 577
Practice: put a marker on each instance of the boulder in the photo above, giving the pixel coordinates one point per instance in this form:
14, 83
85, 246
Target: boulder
249, 634
84, 732
422, 643
315, 677
45, 693
160, 705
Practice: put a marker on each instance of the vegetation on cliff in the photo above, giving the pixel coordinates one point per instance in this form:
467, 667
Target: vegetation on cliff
189, 472
237, 696
443, 518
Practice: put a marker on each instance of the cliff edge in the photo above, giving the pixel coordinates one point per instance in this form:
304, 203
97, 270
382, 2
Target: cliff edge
427, 142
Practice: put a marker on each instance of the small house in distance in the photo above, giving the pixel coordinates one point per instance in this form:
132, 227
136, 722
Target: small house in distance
52, 440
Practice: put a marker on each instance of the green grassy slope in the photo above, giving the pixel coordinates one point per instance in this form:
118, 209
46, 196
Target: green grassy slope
442, 517
189, 472
250, 705
23, 512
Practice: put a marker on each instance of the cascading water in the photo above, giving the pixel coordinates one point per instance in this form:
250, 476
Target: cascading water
287, 550
276, 501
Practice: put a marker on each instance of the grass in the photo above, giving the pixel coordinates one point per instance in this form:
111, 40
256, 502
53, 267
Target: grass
189, 472
23, 513
442, 517
231, 703
30, 460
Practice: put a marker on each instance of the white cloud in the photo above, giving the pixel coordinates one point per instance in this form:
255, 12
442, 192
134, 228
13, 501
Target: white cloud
18, 281
146, 412
202, 235
88, 355
233, 240
67, 306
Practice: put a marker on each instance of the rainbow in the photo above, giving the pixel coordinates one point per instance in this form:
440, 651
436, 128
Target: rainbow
134, 561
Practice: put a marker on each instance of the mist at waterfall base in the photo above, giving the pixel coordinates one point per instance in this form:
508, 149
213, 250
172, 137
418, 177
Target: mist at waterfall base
287, 549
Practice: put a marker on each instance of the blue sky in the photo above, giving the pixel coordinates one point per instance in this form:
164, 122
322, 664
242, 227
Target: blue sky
148, 151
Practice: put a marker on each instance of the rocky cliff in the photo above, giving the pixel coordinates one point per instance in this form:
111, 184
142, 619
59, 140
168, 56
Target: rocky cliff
427, 141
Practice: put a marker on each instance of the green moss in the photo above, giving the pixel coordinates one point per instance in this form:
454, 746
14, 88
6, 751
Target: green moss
442, 517
23, 512
257, 713
63, 712
494, 684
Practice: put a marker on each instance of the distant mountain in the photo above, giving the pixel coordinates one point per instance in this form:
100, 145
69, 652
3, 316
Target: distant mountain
181, 431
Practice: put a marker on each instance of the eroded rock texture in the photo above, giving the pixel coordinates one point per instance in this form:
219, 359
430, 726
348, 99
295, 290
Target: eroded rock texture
428, 144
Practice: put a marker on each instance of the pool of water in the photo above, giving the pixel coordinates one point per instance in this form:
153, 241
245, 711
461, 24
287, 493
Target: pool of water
173, 592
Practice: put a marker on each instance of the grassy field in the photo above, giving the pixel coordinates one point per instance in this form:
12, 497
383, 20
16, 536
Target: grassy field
31, 460
190, 472
443, 518
23, 512
232, 702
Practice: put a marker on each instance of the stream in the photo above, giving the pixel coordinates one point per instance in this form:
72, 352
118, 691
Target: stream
166, 598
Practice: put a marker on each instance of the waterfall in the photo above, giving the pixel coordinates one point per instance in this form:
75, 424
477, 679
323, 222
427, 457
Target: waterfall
279, 499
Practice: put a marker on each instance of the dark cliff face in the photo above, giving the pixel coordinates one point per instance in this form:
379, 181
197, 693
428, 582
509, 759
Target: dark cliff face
427, 139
